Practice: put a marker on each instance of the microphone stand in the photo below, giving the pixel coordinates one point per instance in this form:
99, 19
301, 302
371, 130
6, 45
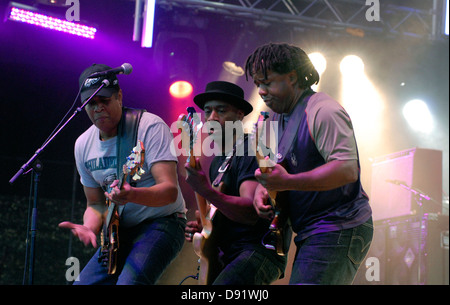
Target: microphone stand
36, 167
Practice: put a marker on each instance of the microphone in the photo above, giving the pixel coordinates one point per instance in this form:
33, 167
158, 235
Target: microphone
126, 68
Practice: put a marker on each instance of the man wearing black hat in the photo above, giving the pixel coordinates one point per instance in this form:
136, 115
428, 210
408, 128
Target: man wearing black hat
237, 228
152, 210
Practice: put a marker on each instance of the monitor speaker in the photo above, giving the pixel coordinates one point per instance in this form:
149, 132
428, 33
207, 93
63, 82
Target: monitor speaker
411, 250
406, 183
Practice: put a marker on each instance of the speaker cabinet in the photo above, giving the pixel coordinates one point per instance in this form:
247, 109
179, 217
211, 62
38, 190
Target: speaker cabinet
399, 178
370, 273
410, 250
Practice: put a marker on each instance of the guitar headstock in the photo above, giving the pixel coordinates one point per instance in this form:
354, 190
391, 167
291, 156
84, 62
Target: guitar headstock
258, 132
135, 161
190, 125
262, 152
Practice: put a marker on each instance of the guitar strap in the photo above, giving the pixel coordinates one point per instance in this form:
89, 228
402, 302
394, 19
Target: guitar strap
287, 135
227, 162
289, 132
127, 138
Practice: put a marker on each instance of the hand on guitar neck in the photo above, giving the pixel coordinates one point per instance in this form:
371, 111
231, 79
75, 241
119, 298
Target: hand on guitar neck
271, 177
267, 206
196, 178
119, 195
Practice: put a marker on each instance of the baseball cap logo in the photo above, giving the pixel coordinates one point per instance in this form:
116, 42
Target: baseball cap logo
91, 81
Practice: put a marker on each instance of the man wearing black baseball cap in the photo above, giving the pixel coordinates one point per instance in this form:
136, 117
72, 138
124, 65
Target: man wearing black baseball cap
151, 209
105, 119
89, 85
237, 229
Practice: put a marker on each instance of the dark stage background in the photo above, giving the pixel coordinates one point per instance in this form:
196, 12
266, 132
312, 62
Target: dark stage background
39, 81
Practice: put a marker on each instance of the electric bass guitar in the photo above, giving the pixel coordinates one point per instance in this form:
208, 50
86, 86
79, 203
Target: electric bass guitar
110, 233
204, 243
275, 238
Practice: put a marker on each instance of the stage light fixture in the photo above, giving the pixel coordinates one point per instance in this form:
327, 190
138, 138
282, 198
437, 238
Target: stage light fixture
319, 62
361, 100
180, 89
26, 14
232, 68
352, 64
418, 116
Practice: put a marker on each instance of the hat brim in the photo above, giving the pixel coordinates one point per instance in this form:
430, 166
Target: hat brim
105, 92
234, 100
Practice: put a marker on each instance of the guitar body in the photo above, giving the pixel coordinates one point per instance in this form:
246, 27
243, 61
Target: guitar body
205, 246
204, 242
109, 236
110, 241
114, 243
278, 228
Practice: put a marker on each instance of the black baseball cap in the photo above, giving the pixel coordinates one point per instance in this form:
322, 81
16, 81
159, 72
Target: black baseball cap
90, 85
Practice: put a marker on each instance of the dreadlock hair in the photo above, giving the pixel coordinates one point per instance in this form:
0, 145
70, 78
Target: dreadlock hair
282, 58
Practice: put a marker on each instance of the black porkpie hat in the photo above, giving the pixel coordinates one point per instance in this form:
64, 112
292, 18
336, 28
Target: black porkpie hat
226, 92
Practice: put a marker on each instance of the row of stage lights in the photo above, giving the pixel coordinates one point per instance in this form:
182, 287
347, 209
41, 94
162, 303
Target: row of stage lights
351, 63
359, 95
25, 14
356, 86
143, 23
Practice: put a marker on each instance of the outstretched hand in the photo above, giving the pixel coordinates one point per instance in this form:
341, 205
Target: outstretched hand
84, 234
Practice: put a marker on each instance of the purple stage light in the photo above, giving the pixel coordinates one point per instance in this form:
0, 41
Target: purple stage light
27, 16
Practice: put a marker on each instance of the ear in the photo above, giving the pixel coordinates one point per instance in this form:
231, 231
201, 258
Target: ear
119, 97
293, 77
240, 114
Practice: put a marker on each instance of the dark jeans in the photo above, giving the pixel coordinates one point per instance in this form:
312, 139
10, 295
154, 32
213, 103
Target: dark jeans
250, 267
332, 258
145, 252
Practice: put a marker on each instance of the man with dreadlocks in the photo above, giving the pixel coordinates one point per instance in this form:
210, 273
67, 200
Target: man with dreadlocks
318, 169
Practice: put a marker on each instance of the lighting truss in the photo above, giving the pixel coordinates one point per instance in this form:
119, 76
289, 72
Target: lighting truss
417, 19
147, 27
22, 13
144, 19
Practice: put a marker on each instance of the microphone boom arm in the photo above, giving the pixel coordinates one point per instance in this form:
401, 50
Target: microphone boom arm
26, 167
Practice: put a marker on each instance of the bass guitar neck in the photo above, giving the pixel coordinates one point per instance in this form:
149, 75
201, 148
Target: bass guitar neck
109, 236
274, 239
